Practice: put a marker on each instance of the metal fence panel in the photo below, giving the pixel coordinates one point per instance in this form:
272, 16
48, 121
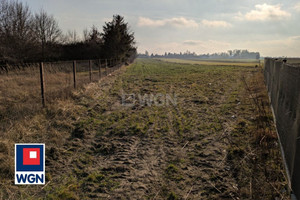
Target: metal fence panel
283, 82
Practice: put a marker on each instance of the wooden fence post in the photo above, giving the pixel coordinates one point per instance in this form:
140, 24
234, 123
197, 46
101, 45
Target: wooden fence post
106, 67
42, 84
90, 70
74, 73
111, 64
99, 69
107, 64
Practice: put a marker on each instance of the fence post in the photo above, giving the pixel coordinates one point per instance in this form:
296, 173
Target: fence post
74, 73
106, 67
99, 69
42, 84
112, 68
111, 64
90, 70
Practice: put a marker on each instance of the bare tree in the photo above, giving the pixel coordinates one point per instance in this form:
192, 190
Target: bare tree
71, 37
15, 19
46, 29
85, 35
3, 19
16, 38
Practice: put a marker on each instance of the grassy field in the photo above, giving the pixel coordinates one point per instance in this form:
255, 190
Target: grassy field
217, 141
214, 62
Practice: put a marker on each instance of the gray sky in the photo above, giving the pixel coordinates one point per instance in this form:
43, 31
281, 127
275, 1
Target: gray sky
270, 26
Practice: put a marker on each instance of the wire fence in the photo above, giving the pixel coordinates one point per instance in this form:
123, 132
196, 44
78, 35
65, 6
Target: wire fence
26, 87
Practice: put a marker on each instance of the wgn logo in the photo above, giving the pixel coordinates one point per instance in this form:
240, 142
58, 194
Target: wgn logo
29, 164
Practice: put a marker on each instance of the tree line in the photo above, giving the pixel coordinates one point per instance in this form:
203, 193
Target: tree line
32, 37
231, 54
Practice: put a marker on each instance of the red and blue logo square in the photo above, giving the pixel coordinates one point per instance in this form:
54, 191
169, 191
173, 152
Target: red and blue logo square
30, 164
30, 157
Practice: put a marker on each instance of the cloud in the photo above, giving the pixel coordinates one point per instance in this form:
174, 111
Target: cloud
174, 22
295, 38
192, 42
278, 42
181, 22
297, 7
207, 43
264, 12
239, 16
289, 46
216, 24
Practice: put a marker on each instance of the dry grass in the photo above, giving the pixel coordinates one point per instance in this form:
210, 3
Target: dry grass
265, 131
22, 117
254, 151
20, 93
23, 120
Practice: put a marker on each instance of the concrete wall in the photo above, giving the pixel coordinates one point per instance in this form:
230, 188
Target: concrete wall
283, 82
